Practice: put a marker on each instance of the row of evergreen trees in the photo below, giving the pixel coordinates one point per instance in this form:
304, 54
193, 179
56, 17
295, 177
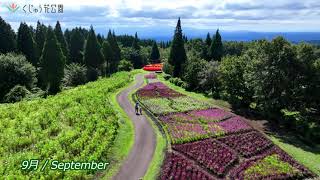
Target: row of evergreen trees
50, 51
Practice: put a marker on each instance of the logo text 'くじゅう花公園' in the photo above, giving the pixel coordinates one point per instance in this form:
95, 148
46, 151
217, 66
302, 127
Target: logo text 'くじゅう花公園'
34, 8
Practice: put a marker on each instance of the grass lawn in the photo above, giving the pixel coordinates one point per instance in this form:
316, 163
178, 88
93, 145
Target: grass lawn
308, 156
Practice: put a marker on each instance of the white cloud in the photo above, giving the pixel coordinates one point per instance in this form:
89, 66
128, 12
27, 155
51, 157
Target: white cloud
262, 15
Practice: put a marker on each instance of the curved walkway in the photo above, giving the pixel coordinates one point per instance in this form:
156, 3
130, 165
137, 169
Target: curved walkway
137, 163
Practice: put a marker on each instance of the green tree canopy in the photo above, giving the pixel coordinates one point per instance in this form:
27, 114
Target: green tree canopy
7, 37
14, 70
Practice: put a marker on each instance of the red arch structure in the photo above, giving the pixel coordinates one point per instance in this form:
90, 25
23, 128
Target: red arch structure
153, 67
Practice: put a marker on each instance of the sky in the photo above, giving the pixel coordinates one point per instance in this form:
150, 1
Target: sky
160, 16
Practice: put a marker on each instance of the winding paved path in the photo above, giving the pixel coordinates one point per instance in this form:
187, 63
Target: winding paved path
137, 163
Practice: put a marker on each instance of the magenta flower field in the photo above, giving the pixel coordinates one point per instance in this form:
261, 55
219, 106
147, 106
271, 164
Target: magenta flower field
212, 143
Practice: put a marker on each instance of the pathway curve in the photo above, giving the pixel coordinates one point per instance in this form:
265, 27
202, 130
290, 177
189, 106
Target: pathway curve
137, 163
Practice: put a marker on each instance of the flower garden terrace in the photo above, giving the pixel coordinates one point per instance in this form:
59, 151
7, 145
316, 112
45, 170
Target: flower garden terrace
211, 143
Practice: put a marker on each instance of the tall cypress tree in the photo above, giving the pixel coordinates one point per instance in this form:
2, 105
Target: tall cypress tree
52, 63
177, 55
61, 40
107, 54
208, 40
26, 44
7, 37
93, 57
216, 48
40, 37
155, 55
67, 37
135, 43
76, 46
114, 61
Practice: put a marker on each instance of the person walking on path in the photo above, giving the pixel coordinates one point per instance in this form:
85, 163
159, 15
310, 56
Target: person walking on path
137, 108
140, 110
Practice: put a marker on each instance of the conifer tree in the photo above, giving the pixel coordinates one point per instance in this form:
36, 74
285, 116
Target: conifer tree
93, 57
135, 43
177, 56
52, 63
61, 40
76, 46
114, 61
216, 48
208, 40
40, 37
107, 54
26, 44
7, 37
67, 37
155, 55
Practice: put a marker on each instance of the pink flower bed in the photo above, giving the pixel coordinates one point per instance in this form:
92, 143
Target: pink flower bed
233, 125
180, 132
156, 90
213, 114
177, 167
209, 153
247, 144
150, 76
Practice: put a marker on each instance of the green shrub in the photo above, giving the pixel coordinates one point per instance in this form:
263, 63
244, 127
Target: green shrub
92, 74
166, 76
125, 65
14, 70
167, 68
75, 74
16, 94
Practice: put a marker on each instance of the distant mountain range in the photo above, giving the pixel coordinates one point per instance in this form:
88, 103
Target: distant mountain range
311, 37
166, 33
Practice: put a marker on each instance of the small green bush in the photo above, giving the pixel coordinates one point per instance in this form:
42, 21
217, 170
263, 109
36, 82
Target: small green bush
14, 70
166, 76
167, 68
125, 65
75, 74
16, 94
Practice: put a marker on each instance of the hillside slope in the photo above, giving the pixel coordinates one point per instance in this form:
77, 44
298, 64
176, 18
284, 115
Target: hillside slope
79, 124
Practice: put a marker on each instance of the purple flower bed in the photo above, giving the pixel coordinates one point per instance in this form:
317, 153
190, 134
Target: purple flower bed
213, 114
155, 90
209, 153
233, 125
247, 144
150, 76
184, 132
239, 171
177, 167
